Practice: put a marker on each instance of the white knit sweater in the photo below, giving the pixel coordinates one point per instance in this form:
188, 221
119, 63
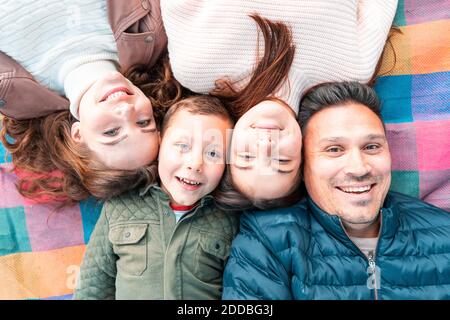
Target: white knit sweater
335, 40
65, 45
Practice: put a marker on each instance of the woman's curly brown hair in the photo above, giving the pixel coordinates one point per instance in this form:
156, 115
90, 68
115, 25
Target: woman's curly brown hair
42, 146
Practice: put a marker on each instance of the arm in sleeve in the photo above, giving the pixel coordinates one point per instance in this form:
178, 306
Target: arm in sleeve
98, 270
253, 270
374, 20
376, 14
21, 97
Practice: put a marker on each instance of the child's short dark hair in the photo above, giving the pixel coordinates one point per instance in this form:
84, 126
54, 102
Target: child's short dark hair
201, 104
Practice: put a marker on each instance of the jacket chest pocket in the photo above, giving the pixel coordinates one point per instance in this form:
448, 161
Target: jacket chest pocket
142, 42
210, 257
130, 244
135, 49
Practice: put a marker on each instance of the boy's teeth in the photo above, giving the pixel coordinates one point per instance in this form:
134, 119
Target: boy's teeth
189, 181
116, 94
357, 189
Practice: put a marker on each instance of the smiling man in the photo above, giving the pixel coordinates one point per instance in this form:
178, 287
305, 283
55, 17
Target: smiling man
351, 238
347, 168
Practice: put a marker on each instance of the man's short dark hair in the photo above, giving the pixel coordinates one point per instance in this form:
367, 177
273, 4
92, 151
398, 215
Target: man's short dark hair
332, 94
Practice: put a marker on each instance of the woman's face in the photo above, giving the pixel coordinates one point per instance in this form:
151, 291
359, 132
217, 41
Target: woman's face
117, 123
266, 151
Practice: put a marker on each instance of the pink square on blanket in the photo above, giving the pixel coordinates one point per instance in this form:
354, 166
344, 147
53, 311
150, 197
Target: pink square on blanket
435, 188
9, 197
24, 174
433, 144
51, 228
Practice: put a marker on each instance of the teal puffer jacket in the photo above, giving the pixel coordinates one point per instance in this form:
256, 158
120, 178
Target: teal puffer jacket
303, 253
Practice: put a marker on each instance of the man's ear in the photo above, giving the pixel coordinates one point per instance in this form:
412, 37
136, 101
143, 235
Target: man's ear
75, 132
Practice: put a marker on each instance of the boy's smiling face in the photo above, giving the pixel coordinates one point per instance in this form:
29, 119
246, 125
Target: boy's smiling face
192, 156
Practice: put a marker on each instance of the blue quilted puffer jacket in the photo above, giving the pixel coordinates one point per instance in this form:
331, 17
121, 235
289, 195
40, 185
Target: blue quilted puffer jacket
303, 253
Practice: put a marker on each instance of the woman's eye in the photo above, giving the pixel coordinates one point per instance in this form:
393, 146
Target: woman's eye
246, 157
112, 132
143, 123
284, 161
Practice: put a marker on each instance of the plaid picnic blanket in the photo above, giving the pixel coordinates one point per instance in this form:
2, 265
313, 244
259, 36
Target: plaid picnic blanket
416, 101
41, 248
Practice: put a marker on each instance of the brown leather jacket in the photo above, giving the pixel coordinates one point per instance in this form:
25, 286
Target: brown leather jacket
140, 38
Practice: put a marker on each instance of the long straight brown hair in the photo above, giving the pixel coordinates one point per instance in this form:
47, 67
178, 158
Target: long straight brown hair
269, 73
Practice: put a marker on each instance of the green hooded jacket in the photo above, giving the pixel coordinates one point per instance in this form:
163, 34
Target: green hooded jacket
138, 251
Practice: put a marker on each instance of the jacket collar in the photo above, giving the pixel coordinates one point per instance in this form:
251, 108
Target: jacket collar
332, 224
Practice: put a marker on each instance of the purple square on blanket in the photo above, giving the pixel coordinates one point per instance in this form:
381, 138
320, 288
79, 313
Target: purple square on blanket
10, 197
417, 11
430, 96
435, 188
52, 228
402, 145
64, 297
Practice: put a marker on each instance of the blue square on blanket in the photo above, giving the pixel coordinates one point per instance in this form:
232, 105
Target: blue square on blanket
13, 231
395, 96
4, 156
399, 19
430, 96
90, 211
406, 182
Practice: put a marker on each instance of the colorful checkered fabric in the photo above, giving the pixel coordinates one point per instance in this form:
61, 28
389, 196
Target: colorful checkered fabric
41, 248
416, 101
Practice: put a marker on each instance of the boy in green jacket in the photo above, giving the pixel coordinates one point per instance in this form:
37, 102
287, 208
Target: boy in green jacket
168, 241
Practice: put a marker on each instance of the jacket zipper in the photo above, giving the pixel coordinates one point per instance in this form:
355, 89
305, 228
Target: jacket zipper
373, 272
190, 214
372, 255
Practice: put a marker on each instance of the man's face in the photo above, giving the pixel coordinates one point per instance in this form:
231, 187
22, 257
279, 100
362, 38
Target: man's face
347, 164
